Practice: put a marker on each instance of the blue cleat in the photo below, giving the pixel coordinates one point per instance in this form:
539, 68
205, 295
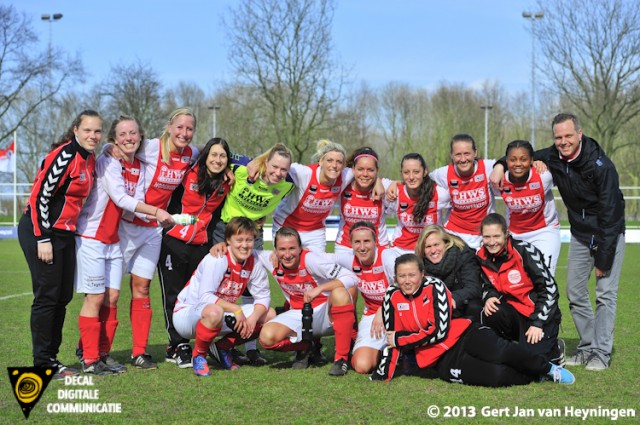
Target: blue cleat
561, 375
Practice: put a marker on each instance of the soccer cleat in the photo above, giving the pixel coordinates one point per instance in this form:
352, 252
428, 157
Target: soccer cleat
579, 358
561, 375
171, 354
63, 371
143, 361
200, 366
301, 361
317, 357
255, 358
559, 358
223, 357
79, 353
239, 357
183, 356
97, 368
339, 368
113, 365
595, 363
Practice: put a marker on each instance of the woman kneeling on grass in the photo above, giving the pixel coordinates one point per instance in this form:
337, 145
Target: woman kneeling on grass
417, 316
206, 307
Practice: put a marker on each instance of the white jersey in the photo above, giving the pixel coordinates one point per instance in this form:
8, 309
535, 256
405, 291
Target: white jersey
114, 190
222, 278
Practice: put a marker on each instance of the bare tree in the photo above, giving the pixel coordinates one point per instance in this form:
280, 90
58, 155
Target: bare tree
284, 48
134, 89
26, 69
591, 52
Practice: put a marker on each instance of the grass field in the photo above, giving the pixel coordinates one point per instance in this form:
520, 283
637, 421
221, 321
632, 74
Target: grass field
276, 394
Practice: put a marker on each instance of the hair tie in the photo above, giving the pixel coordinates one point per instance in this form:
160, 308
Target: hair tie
353, 229
365, 155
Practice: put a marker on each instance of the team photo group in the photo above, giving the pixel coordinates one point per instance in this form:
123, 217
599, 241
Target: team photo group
456, 291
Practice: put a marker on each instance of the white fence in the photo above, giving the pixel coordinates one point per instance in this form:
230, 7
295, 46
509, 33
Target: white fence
12, 204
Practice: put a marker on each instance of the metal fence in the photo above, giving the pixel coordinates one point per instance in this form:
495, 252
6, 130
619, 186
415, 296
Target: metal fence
12, 204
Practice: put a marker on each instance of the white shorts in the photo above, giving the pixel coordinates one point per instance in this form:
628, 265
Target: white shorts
473, 241
400, 251
315, 240
140, 248
186, 319
365, 339
547, 240
292, 319
98, 266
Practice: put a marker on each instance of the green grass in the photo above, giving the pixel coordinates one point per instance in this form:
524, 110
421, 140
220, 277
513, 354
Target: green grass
276, 394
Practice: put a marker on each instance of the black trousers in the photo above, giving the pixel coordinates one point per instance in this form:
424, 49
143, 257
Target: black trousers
481, 357
512, 325
52, 286
177, 263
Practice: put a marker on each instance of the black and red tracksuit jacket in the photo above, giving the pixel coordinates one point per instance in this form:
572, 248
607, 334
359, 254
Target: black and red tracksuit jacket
60, 188
422, 322
519, 276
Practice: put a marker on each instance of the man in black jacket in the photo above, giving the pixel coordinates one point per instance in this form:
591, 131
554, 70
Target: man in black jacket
590, 188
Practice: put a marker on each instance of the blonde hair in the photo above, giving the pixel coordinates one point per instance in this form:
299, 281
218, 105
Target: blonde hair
449, 239
165, 147
325, 146
263, 158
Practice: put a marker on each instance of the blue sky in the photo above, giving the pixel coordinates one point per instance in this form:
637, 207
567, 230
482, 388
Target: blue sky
420, 42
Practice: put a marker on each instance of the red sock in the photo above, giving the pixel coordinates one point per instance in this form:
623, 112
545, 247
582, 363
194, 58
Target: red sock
343, 318
204, 337
140, 324
108, 325
233, 339
287, 345
90, 336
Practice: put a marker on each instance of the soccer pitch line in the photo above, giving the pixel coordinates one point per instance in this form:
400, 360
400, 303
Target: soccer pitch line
15, 296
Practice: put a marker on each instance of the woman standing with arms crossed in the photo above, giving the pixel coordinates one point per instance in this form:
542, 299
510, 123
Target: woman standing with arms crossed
166, 160
99, 258
201, 193
46, 234
467, 180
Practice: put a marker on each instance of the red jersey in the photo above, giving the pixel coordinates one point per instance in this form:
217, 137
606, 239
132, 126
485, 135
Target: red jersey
407, 230
315, 269
198, 205
356, 206
306, 210
373, 281
530, 204
471, 197
116, 182
161, 179
61, 185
